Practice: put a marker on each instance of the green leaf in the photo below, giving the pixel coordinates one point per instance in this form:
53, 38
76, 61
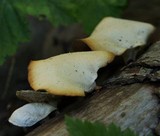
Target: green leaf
78, 127
95, 10
57, 11
13, 28
64, 12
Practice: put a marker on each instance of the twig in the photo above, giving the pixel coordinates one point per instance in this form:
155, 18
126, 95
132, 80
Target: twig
10, 73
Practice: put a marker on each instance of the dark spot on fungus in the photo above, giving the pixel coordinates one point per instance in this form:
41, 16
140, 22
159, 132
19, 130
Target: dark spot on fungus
123, 114
142, 31
120, 40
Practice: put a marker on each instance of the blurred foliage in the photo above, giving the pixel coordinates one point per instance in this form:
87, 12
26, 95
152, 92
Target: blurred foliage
13, 17
14, 28
78, 127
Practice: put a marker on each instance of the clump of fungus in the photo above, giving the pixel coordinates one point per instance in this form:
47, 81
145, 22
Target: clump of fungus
70, 74
117, 35
73, 74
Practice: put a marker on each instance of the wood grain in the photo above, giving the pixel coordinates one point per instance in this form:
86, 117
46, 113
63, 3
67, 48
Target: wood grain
133, 106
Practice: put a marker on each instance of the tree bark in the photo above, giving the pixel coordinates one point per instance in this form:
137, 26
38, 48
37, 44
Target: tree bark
133, 106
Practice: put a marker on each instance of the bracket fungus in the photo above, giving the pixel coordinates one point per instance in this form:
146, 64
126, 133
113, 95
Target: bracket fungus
70, 74
73, 74
117, 35
30, 114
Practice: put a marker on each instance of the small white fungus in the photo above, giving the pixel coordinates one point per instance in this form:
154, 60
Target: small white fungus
30, 114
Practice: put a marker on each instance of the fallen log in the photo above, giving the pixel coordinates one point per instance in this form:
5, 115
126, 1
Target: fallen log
134, 105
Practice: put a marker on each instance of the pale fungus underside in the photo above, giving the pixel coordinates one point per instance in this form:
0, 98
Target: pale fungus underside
30, 114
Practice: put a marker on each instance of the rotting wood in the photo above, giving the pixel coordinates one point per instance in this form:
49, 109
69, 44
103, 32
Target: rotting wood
35, 96
145, 69
151, 58
133, 106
